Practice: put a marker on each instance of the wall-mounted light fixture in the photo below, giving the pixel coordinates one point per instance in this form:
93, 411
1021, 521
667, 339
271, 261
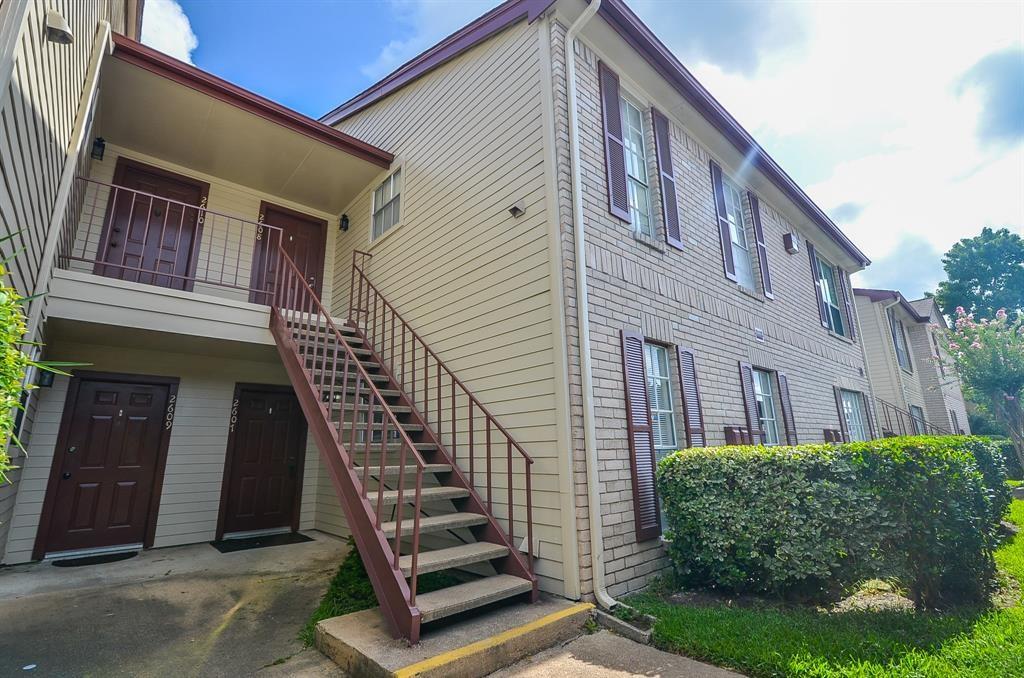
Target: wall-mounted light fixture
45, 378
57, 28
518, 209
344, 223
98, 147
791, 241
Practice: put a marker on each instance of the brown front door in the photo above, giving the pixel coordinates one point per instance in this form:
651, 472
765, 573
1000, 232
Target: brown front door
304, 240
146, 239
264, 467
105, 477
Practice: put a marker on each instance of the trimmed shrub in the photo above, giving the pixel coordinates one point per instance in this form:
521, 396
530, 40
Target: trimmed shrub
1014, 470
812, 520
790, 521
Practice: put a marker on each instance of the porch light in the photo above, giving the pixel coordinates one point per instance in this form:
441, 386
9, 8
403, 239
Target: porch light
57, 28
98, 147
45, 379
344, 222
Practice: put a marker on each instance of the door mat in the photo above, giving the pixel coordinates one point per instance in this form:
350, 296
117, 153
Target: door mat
95, 560
232, 545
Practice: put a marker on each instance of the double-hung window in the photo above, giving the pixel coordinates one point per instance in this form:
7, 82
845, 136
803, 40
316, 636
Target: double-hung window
738, 234
765, 397
829, 283
387, 204
660, 401
899, 341
917, 419
856, 417
634, 135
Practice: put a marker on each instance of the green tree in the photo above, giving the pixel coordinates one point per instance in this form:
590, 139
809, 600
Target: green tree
985, 273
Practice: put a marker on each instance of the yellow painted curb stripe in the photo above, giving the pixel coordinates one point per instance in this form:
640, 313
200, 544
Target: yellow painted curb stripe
471, 649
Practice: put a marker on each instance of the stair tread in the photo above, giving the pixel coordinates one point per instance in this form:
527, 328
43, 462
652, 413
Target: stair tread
461, 597
397, 409
427, 494
453, 556
445, 521
393, 470
392, 447
351, 390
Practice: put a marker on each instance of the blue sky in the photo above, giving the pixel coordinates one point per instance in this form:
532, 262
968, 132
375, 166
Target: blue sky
904, 121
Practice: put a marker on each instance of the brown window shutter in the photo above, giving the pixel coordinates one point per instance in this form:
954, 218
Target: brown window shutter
956, 422
787, 408
669, 206
816, 274
869, 414
844, 428
723, 221
641, 438
614, 148
691, 398
762, 247
851, 324
750, 403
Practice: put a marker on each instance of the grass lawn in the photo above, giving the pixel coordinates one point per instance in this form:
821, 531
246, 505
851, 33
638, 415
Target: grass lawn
350, 591
803, 642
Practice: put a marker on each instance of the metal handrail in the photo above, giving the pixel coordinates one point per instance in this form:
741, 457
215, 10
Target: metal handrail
891, 411
295, 314
369, 295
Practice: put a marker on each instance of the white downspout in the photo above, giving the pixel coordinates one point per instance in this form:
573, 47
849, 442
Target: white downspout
583, 317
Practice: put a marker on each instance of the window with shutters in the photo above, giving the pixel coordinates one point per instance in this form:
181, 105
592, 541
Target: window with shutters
856, 417
938, 353
741, 257
829, 282
917, 417
899, 341
659, 396
634, 137
387, 204
766, 412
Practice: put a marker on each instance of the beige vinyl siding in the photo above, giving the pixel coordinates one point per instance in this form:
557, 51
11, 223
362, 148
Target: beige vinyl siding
40, 91
190, 498
226, 250
880, 356
471, 279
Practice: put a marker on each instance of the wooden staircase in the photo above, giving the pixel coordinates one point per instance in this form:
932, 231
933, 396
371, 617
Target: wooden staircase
394, 474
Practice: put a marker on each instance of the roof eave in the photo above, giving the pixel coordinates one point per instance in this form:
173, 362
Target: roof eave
876, 296
156, 62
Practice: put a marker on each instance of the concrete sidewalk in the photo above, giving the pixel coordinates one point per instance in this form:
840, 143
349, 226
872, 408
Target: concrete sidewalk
182, 611
606, 655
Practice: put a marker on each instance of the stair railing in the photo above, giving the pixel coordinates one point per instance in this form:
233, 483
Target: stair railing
897, 421
334, 371
441, 398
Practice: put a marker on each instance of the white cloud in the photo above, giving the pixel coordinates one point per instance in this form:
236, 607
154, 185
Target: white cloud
867, 107
166, 28
426, 22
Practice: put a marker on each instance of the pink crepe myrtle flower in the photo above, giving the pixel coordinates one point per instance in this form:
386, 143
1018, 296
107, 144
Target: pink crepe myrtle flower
960, 310
1001, 314
975, 344
953, 346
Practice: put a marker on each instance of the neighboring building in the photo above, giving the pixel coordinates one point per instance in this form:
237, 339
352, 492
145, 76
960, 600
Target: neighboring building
912, 374
544, 274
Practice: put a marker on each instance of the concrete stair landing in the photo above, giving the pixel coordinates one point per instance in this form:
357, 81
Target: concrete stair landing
470, 646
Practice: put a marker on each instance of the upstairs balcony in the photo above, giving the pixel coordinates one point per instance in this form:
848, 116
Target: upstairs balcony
173, 222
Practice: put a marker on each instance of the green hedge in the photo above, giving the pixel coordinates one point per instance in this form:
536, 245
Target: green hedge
812, 520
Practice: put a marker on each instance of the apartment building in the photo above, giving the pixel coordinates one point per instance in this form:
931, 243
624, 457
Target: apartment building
906, 347
460, 317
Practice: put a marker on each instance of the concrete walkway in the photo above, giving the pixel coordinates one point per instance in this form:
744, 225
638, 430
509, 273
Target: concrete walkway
183, 611
606, 655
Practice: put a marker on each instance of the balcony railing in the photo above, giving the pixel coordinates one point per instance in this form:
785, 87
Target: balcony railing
141, 237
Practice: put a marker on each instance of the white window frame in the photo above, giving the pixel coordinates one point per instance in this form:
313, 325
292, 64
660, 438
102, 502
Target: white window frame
386, 188
638, 182
764, 395
828, 282
856, 418
899, 342
917, 420
739, 235
658, 370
